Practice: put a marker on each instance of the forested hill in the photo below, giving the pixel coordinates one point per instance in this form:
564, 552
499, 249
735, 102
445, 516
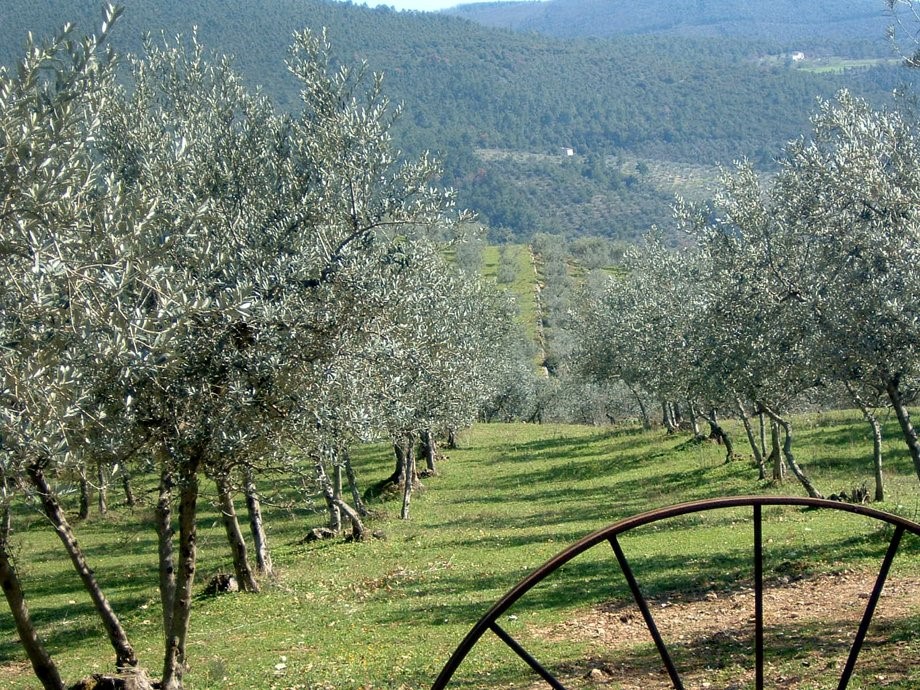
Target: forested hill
499, 106
785, 21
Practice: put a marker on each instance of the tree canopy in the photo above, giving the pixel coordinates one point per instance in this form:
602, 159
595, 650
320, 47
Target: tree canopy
192, 271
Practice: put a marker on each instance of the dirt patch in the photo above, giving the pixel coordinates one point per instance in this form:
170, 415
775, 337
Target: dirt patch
809, 627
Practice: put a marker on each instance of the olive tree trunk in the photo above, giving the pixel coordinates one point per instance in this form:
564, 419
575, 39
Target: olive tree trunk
776, 454
429, 451
763, 433
124, 653
694, 421
646, 421
244, 574
358, 530
399, 472
83, 512
893, 388
755, 448
102, 485
337, 477
667, 417
329, 493
718, 434
125, 475
409, 478
42, 664
787, 453
167, 567
256, 523
876, 427
353, 484
174, 658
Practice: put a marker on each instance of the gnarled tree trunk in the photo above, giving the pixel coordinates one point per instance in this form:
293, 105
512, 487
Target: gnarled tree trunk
353, 484
244, 575
124, 653
399, 472
755, 448
429, 451
256, 523
893, 388
667, 417
787, 452
357, 526
718, 434
329, 494
646, 422
174, 658
42, 664
125, 475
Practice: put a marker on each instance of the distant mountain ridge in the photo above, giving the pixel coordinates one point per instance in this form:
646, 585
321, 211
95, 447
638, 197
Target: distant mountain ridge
642, 114
774, 20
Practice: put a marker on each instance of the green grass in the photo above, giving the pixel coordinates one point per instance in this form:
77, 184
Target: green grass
387, 613
523, 288
524, 282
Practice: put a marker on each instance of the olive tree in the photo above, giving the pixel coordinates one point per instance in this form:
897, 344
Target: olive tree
419, 360
851, 192
258, 217
758, 335
635, 328
65, 279
817, 279
174, 252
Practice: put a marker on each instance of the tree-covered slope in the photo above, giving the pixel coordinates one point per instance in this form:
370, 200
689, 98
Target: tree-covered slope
779, 20
469, 88
694, 99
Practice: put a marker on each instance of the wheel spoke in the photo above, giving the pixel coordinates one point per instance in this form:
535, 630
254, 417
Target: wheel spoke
646, 613
870, 608
521, 652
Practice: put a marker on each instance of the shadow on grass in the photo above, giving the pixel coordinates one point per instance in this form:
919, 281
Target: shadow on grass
619, 499
680, 575
567, 446
67, 625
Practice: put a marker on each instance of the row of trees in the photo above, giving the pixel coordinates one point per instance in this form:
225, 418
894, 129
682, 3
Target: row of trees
192, 277
804, 283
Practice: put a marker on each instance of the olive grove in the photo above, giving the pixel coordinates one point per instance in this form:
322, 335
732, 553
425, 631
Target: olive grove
192, 276
803, 283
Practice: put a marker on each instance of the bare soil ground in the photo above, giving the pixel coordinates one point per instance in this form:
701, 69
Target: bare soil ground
810, 624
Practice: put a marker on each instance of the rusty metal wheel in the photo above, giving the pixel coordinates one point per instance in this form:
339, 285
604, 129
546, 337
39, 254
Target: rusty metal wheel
610, 536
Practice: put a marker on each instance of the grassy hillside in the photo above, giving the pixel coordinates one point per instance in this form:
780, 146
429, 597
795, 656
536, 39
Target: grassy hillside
386, 614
